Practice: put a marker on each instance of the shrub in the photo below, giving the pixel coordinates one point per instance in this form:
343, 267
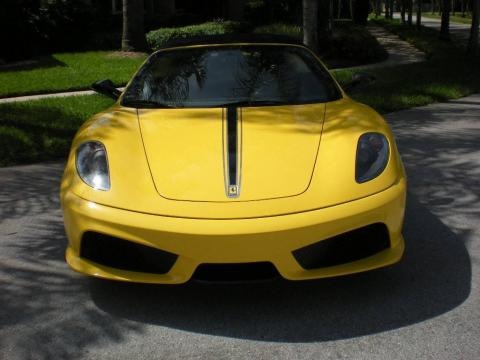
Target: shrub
280, 29
19, 35
29, 28
352, 45
157, 38
66, 24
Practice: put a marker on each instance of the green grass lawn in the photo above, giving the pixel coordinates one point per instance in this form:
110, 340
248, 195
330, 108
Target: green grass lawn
448, 73
43, 129
411, 85
68, 71
453, 18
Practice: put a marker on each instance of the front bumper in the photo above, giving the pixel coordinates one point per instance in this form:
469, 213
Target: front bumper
214, 241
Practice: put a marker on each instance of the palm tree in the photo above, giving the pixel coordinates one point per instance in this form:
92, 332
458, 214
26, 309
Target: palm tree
473, 40
133, 35
310, 23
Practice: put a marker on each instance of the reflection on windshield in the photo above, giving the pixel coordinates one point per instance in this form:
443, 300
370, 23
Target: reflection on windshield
219, 75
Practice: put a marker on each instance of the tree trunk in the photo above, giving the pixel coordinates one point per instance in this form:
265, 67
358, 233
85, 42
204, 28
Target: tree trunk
473, 40
410, 12
387, 9
360, 12
339, 9
235, 9
445, 25
133, 36
378, 8
149, 14
330, 18
310, 26
419, 14
402, 11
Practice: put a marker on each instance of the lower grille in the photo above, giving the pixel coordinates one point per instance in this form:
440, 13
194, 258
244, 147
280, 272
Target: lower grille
236, 272
125, 255
344, 248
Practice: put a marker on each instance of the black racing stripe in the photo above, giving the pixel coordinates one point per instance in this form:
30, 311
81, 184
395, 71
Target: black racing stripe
232, 132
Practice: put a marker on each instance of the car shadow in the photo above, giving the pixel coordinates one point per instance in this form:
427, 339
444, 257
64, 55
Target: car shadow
433, 278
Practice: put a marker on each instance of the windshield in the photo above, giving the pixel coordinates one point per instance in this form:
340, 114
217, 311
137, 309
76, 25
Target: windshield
217, 76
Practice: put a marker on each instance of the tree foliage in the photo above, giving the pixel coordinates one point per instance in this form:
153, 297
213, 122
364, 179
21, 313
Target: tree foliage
34, 27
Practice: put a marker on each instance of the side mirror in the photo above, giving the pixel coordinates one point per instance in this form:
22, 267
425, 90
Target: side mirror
359, 79
107, 88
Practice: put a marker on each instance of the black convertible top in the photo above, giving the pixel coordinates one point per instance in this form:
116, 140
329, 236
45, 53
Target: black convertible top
232, 39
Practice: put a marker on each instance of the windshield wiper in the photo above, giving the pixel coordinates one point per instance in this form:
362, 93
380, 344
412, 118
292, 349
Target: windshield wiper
252, 103
146, 104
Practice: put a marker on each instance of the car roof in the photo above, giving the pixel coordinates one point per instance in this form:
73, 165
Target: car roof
232, 39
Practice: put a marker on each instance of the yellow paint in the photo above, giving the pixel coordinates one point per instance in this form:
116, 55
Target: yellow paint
297, 187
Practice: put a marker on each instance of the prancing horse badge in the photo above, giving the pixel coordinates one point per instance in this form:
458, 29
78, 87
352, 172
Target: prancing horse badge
233, 190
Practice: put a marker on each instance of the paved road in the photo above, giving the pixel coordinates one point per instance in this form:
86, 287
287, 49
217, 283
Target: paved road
399, 51
458, 31
427, 307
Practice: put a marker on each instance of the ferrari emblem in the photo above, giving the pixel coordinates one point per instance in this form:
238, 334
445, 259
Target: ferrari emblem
233, 190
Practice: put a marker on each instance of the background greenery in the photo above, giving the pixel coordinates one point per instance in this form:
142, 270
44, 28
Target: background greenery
160, 37
349, 45
43, 129
448, 73
68, 71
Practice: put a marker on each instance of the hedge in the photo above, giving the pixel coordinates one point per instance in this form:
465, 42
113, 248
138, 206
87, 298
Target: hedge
158, 38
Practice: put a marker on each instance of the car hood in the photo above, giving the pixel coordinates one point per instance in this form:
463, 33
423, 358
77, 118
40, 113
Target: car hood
273, 152
276, 142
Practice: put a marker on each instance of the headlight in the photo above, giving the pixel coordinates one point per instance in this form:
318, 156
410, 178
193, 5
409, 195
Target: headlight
372, 156
92, 165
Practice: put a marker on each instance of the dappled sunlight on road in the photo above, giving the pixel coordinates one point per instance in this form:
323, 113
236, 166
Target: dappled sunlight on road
441, 150
47, 311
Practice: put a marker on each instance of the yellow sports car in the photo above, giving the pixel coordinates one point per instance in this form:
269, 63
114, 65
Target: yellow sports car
232, 159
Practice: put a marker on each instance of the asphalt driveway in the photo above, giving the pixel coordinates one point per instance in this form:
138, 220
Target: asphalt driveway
428, 306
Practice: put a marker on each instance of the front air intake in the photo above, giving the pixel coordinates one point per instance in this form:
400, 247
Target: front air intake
236, 272
344, 248
125, 255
